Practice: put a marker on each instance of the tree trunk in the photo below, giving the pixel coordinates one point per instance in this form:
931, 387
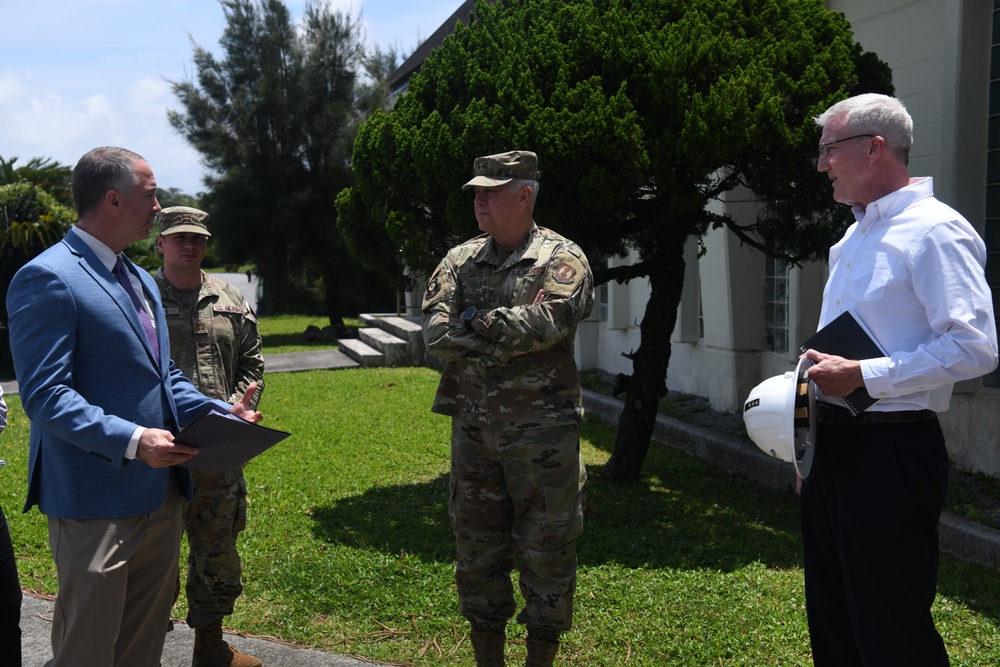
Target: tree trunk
332, 295
648, 382
273, 273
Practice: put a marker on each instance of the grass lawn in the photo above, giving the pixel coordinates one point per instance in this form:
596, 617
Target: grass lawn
286, 333
348, 546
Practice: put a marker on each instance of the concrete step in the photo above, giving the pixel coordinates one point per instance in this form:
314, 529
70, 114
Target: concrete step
402, 327
395, 350
406, 329
361, 352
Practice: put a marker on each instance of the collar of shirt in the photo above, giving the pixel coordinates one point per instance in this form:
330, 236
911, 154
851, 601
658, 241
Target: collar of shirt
894, 202
490, 253
103, 252
108, 257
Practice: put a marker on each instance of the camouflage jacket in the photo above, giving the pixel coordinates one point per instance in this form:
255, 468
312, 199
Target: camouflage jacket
515, 370
216, 343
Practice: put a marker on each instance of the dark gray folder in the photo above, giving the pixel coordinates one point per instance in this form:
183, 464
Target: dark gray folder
847, 337
225, 441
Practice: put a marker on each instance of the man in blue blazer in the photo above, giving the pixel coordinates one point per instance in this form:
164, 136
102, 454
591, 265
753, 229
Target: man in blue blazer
92, 356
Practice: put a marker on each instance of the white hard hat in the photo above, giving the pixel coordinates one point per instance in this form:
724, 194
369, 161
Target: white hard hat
780, 416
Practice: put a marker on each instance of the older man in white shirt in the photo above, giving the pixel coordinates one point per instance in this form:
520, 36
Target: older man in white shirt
912, 270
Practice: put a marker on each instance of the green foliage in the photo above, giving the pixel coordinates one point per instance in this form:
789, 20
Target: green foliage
646, 114
642, 113
274, 120
50, 176
348, 546
31, 220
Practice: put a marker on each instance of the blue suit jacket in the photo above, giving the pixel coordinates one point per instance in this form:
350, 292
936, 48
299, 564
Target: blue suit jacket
87, 378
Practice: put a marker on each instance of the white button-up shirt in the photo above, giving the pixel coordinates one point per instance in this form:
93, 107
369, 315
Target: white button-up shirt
911, 269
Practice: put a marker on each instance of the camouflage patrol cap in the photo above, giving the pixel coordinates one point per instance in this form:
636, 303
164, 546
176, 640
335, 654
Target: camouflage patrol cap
495, 170
177, 219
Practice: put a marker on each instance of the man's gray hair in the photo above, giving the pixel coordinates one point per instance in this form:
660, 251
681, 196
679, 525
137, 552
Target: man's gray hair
517, 184
872, 113
102, 169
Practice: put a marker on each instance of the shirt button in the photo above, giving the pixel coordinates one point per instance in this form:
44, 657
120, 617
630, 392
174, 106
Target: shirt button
848, 265
881, 393
864, 230
838, 302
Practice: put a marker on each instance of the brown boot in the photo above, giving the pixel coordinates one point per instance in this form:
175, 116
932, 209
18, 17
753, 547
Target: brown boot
211, 651
487, 643
543, 644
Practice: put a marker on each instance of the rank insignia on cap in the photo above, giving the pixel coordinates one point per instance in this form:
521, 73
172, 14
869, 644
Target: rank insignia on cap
564, 274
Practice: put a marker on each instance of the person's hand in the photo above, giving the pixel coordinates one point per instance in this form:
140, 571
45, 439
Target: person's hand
835, 376
242, 407
158, 450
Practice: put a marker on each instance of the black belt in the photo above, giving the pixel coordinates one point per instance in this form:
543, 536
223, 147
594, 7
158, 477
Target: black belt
834, 414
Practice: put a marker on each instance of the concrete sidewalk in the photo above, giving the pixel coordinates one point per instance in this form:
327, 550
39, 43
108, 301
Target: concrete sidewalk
36, 624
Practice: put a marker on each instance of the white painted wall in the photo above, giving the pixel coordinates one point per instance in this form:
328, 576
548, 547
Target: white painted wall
939, 51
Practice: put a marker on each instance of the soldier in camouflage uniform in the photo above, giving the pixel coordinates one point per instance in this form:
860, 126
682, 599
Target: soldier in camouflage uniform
214, 342
502, 310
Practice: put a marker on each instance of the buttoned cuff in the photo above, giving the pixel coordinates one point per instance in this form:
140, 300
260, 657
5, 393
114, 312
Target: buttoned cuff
875, 373
133, 443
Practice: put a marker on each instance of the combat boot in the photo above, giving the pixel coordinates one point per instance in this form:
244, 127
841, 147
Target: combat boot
210, 650
488, 643
543, 644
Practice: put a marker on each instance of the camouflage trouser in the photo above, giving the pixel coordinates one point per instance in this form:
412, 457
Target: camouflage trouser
213, 519
517, 493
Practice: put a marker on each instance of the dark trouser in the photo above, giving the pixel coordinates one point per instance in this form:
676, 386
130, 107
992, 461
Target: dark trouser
870, 511
10, 600
517, 493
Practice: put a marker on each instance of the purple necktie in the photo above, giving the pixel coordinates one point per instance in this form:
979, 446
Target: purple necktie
147, 324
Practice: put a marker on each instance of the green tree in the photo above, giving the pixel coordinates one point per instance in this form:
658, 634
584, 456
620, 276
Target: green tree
31, 220
643, 113
46, 173
35, 212
274, 120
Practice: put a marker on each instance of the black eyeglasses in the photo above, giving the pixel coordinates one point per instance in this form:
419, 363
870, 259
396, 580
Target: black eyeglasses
824, 149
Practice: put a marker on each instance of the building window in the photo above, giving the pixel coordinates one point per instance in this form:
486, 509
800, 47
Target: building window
993, 179
776, 305
602, 302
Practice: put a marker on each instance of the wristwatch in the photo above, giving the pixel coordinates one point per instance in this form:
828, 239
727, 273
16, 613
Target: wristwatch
468, 316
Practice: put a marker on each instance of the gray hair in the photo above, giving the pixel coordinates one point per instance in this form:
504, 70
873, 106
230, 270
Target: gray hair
517, 184
872, 113
102, 169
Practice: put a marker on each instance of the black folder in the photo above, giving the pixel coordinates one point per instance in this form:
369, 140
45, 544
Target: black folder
225, 441
847, 337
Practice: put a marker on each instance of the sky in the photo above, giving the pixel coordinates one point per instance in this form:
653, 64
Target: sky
76, 74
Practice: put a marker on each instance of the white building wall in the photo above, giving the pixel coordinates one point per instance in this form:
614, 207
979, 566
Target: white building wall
939, 51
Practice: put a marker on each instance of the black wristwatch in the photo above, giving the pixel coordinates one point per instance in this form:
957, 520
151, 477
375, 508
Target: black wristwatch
468, 316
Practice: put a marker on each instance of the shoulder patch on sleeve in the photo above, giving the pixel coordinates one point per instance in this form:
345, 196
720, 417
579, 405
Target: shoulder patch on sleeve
433, 287
564, 274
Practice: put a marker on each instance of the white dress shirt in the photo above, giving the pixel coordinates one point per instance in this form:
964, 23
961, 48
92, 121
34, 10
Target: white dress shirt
911, 268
